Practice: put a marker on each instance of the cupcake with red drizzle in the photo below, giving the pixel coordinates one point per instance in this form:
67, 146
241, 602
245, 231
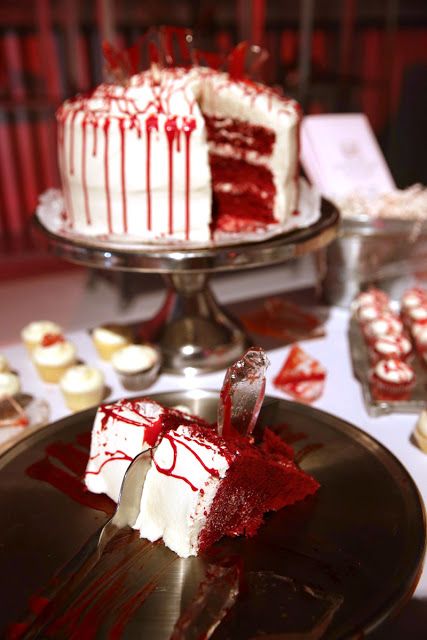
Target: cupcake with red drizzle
417, 315
387, 324
392, 379
412, 298
392, 346
53, 356
371, 297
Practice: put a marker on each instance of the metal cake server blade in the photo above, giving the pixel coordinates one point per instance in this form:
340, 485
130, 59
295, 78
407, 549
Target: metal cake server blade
79, 567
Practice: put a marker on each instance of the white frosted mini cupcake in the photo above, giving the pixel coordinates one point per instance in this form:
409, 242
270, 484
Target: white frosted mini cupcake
4, 364
137, 365
53, 358
420, 433
9, 384
82, 386
33, 333
110, 338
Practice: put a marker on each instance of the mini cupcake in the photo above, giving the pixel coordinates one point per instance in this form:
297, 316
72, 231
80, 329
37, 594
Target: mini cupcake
420, 433
82, 386
369, 313
371, 297
417, 315
413, 298
385, 325
4, 364
110, 338
9, 384
398, 346
419, 334
53, 357
392, 379
33, 333
137, 366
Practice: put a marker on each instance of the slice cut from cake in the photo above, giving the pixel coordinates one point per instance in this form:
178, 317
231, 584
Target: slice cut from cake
201, 487
120, 432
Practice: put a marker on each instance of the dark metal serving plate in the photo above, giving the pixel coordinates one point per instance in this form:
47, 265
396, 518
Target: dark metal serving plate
358, 543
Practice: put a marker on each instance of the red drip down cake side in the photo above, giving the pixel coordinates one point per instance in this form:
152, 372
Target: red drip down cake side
259, 480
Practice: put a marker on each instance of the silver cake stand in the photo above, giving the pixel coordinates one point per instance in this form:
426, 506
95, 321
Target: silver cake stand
194, 332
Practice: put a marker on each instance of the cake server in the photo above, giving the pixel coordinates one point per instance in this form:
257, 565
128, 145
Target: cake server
74, 573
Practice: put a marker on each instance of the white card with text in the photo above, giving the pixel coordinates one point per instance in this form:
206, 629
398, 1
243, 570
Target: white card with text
341, 156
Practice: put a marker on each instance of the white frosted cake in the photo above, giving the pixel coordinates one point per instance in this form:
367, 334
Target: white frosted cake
120, 432
177, 153
199, 486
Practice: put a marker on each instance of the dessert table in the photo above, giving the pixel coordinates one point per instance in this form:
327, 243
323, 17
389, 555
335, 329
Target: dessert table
342, 394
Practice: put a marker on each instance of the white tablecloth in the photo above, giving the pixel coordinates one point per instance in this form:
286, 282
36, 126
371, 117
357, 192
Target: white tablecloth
342, 397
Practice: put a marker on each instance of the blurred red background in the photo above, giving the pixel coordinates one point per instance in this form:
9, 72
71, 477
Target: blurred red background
333, 56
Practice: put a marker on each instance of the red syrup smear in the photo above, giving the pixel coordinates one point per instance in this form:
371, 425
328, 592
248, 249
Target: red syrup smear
151, 124
95, 138
123, 172
171, 132
225, 398
69, 482
106, 173
84, 179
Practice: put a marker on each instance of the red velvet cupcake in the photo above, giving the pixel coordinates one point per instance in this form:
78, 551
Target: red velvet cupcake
419, 334
392, 379
394, 346
417, 315
388, 324
371, 297
413, 298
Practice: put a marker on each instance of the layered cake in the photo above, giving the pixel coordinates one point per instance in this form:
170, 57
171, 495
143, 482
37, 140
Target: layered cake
178, 153
200, 486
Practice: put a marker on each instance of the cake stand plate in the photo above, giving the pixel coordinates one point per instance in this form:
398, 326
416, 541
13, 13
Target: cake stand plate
194, 332
335, 565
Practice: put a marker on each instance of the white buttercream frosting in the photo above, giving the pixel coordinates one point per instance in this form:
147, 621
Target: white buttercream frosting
412, 298
421, 426
134, 358
369, 312
81, 378
4, 363
385, 325
388, 345
179, 489
120, 432
35, 331
58, 354
418, 313
9, 384
394, 371
110, 334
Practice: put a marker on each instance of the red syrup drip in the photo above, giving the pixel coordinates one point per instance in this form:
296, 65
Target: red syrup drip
106, 173
118, 456
73, 117
188, 128
123, 172
84, 180
227, 430
171, 130
95, 138
150, 125
169, 471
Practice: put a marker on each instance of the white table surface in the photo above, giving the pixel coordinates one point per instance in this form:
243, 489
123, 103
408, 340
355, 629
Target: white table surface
342, 396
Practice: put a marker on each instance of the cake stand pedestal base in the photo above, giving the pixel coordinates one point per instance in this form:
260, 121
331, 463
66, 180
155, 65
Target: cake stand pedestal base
193, 332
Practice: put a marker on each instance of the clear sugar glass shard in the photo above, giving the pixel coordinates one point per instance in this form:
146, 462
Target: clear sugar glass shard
242, 394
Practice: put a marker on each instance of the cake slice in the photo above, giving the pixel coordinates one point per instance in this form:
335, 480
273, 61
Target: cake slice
120, 432
201, 487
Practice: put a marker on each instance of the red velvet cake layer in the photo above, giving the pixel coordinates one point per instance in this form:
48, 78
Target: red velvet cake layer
260, 479
241, 135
